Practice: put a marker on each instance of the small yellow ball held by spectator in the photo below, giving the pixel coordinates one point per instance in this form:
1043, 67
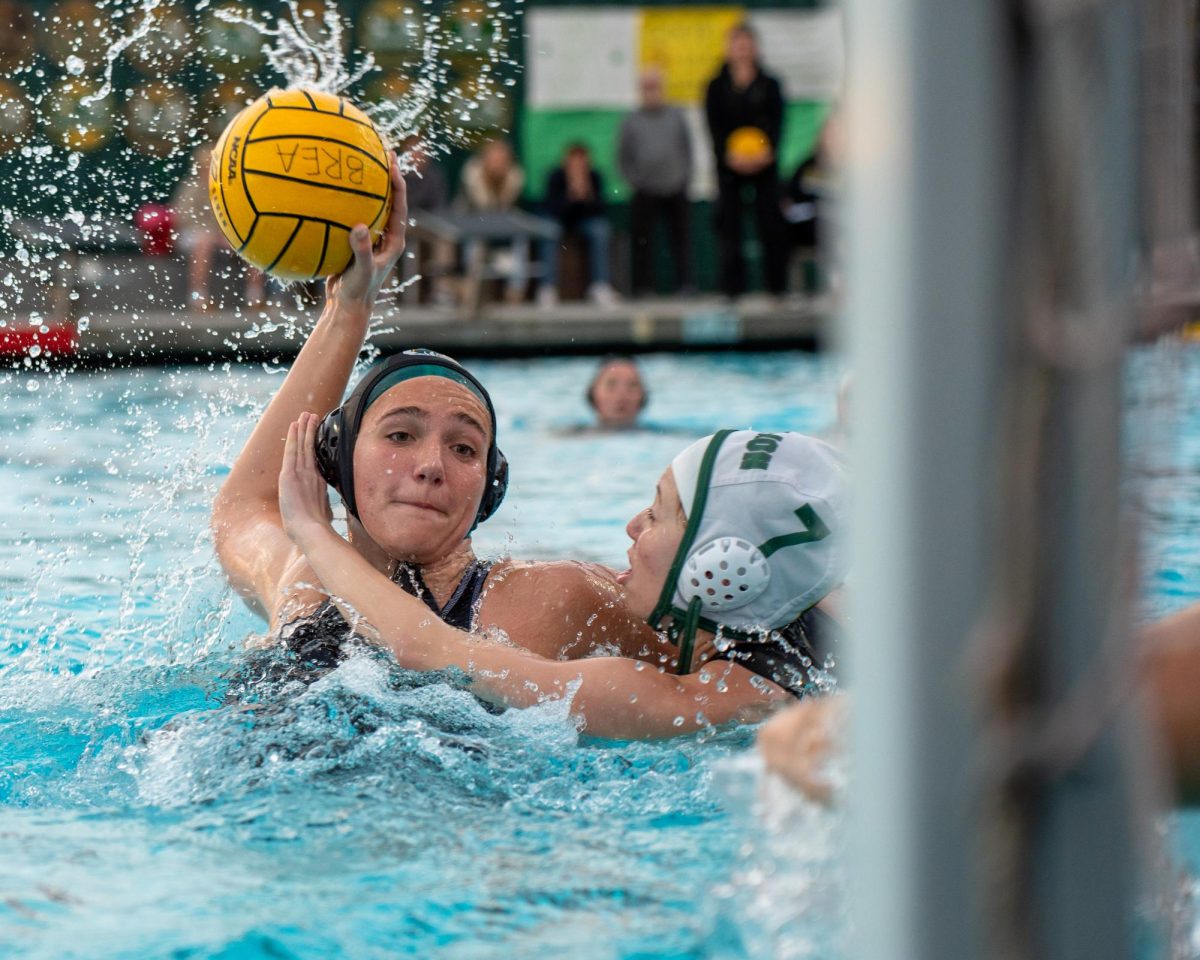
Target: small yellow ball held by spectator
290, 177
747, 143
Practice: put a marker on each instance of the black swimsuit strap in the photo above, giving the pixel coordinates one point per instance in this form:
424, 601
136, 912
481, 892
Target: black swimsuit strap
320, 640
459, 611
791, 654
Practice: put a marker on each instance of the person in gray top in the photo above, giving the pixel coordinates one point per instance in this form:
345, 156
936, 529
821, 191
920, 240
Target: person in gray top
655, 157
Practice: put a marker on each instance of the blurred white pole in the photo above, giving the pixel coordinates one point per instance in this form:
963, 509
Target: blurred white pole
926, 313
992, 227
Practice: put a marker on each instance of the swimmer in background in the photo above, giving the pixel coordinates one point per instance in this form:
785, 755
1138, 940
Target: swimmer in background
617, 393
420, 467
741, 544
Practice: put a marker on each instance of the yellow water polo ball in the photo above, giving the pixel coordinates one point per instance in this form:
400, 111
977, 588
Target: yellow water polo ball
292, 175
747, 143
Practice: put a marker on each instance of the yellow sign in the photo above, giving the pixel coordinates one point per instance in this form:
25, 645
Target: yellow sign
688, 45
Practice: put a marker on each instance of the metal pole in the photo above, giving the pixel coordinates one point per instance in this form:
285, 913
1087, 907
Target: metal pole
992, 229
925, 306
1068, 801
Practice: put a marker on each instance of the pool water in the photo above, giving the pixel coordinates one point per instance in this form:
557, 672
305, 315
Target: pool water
376, 813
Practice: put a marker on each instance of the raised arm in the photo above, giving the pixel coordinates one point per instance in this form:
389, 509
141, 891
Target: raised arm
248, 532
614, 697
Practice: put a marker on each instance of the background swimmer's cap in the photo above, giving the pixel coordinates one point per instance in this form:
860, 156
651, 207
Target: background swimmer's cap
766, 513
339, 430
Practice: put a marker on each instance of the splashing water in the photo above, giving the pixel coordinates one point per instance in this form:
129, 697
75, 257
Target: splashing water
113, 117
75, 65
299, 58
431, 105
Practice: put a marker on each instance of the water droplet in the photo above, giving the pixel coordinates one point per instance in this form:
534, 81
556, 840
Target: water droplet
35, 351
74, 65
678, 721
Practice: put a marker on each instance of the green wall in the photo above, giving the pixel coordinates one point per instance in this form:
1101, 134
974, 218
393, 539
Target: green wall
546, 133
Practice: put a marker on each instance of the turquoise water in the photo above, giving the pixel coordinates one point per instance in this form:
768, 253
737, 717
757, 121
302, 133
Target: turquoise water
376, 813
1164, 437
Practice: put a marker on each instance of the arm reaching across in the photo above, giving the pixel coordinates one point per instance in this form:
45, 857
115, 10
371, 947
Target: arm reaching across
255, 553
799, 742
613, 696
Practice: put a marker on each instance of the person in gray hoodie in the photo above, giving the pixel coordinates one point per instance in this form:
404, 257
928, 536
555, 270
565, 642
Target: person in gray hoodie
655, 157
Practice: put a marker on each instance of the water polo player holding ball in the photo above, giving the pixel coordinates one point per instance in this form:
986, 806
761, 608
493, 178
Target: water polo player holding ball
419, 467
744, 533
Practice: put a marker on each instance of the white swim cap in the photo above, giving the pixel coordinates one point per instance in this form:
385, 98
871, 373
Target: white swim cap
764, 541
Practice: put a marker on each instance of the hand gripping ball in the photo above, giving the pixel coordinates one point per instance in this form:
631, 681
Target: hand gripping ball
290, 177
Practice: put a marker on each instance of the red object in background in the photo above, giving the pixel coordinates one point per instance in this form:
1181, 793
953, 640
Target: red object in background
59, 340
157, 224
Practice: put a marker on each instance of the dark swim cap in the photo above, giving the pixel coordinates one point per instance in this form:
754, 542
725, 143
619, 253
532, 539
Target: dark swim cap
339, 430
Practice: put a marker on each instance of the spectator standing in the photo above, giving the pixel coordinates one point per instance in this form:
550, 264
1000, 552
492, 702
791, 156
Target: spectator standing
744, 109
575, 198
655, 157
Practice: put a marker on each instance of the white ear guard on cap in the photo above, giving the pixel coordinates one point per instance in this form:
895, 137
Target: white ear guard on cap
725, 574
762, 544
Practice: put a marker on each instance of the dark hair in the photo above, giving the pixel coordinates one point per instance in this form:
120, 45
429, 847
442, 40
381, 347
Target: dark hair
611, 358
338, 432
744, 27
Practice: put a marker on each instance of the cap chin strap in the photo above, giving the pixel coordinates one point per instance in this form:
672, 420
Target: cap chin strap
682, 629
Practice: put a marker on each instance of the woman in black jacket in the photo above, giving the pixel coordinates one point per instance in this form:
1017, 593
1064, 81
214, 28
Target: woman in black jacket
744, 107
